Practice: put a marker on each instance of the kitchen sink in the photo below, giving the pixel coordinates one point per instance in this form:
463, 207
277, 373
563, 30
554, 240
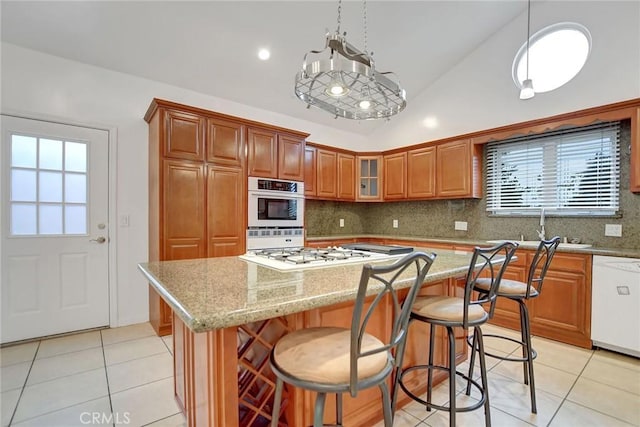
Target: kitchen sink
534, 244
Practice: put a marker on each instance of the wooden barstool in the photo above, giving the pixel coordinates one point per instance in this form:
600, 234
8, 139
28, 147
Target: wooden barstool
521, 292
464, 312
341, 360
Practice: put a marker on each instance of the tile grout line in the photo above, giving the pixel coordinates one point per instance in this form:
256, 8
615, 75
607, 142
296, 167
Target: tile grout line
24, 385
564, 399
106, 374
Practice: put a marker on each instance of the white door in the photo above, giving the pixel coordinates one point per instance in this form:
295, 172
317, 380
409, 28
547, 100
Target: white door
55, 236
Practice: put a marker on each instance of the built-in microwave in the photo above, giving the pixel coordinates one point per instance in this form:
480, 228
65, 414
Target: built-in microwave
275, 203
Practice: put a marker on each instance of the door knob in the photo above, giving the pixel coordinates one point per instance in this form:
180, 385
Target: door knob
99, 240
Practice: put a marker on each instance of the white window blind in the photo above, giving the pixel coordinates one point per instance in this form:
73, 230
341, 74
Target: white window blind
569, 172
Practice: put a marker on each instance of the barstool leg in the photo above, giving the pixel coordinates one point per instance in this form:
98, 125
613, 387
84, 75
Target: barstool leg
339, 409
318, 410
452, 376
483, 373
532, 383
432, 343
523, 338
472, 361
398, 372
386, 405
275, 413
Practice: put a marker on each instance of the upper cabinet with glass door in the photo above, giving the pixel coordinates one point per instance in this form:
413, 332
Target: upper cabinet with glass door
369, 180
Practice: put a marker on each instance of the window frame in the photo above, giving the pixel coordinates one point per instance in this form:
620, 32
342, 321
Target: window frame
551, 143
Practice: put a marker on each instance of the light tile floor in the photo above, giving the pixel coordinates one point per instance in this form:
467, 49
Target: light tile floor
123, 376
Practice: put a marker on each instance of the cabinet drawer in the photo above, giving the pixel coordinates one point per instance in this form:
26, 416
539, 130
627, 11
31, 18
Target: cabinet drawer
570, 262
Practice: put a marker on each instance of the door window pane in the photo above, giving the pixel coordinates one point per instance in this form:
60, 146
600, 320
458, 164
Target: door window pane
23, 185
75, 156
23, 219
50, 220
75, 188
50, 154
50, 187
24, 151
75, 219
52, 175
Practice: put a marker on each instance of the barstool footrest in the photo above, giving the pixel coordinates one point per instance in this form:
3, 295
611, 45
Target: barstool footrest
440, 407
534, 354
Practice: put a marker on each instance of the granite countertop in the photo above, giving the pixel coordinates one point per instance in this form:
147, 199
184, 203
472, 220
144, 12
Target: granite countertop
627, 253
214, 293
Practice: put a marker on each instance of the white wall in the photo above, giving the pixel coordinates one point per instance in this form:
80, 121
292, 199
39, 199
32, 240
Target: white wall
479, 92
39, 85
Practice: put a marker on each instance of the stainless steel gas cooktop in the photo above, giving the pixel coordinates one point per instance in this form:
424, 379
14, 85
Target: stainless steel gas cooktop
302, 258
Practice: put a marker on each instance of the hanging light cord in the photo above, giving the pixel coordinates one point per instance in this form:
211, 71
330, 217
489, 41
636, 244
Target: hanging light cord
528, 33
339, 13
364, 14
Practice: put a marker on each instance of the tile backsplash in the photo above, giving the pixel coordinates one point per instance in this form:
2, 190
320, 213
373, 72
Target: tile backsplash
436, 218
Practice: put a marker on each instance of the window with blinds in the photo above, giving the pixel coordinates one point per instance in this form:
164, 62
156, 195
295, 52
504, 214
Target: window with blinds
569, 172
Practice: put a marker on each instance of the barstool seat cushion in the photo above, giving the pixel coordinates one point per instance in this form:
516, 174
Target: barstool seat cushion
507, 288
446, 309
322, 355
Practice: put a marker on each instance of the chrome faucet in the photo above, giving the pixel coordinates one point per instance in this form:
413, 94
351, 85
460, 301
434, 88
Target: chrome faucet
541, 231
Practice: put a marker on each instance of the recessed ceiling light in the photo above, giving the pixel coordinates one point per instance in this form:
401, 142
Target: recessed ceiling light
264, 54
430, 122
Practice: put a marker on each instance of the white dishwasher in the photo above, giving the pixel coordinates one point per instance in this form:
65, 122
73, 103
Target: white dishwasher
615, 304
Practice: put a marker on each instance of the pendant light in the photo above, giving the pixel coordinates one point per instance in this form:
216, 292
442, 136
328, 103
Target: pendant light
343, 81
527, 92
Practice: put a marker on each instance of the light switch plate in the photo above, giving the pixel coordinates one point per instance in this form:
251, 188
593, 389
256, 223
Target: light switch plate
341, 222
395, 223
613, 230
461, 225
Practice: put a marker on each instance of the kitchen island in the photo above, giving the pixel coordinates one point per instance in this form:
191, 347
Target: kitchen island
228, 312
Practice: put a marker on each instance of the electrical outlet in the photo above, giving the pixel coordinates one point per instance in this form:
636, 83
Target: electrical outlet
395, 223
341, 222
124, 220
613, 230
460, 225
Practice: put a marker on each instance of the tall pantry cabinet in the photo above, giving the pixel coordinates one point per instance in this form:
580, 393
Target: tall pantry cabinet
197, 190
198, 166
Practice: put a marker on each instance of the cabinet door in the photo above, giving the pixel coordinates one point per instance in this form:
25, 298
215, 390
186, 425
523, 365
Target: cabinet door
395, 176
183, 136
421, 173
183, 210
262, 152
453, 171
310, 177
226, 211
225, 142
346, 176
563, 309
368, 178
326, 168
290, 158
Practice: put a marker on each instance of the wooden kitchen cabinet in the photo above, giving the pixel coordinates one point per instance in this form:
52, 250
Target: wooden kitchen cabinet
421, 173
226, 211
310, 177
326, 170
273, 154
346, 176
335, 173
562, 312
183, 136
394, 171
197, 186
369, 178
458, 170
225, 142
